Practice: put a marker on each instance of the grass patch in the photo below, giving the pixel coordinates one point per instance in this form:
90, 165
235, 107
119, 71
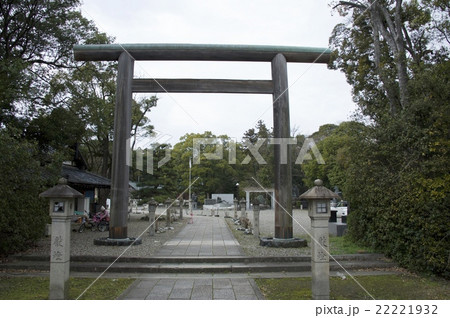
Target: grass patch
385, 287
37, 288
343, 245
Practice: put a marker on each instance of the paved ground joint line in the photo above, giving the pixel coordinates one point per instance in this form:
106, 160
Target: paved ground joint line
210, 236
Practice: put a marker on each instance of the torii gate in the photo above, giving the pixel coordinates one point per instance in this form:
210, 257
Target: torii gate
126, 54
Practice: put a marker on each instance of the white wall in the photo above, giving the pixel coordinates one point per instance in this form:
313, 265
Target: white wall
229, 197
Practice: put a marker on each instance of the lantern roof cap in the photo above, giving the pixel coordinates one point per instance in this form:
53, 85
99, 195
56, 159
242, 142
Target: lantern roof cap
319, 192
61, 190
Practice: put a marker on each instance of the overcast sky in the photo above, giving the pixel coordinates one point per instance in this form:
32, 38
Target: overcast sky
317, 95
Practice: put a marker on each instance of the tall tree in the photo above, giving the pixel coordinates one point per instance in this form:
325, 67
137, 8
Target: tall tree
156, 177
36, 39
88, 91
395, 54
257, 162
382, 43
335, 144
216, 174
141, 126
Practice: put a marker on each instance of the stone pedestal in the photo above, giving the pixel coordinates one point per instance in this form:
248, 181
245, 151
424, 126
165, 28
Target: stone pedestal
320, 262
283, 243
243, 207
168, 216
151, 216
337, 229
256, 222
256, 210
60, 258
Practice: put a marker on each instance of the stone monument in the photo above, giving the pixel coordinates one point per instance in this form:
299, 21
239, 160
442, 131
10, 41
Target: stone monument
152, 204
62, 206
256, 210
319, 211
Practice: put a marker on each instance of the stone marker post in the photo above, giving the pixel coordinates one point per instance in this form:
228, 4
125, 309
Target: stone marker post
168, 202
181, 208
152, 204
242, 206
62, 206
235, 201
191, 214
256, 210
175, 204
319, 211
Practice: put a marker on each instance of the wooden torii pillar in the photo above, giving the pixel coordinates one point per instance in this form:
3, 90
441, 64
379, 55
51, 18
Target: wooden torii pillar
126, 54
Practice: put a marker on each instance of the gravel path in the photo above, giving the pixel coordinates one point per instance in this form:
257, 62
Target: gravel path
83, 243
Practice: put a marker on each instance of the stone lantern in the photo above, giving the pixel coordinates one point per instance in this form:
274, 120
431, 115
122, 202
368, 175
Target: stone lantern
152, 204
242, 206
319, 211
62, 206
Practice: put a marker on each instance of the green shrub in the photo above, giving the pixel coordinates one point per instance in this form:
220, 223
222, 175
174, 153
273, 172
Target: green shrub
402, 213
23, 214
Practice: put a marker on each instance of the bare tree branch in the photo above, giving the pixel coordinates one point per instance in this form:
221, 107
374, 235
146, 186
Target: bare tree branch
351, 5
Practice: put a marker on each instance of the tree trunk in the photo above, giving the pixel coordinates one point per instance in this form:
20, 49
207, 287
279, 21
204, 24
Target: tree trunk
400, 59
392, 32
105, 170
387, 84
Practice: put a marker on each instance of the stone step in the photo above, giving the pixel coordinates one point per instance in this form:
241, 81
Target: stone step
201, 259
236, 267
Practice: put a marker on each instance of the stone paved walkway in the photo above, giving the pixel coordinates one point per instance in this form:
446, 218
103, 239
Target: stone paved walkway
207, 236
193, 289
